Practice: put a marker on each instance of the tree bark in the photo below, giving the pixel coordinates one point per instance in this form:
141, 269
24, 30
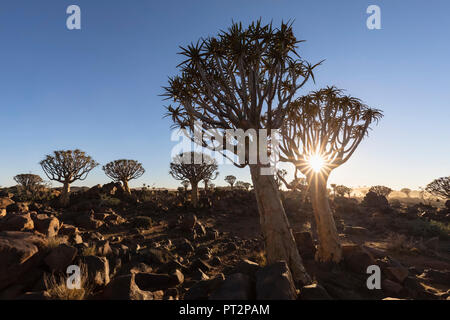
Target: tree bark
126, 187
194, 193
279, 240
64, 196
329, 245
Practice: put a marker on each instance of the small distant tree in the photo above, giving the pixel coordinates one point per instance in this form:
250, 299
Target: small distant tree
29, 182
66, 167
194, 167
123, 171
439, 187
322, 131
207, 180
343, 190
230, 180
185, 184
406, 191
243, 185
381, 190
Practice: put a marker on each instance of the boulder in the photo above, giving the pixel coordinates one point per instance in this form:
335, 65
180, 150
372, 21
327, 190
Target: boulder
46, 225
88, 222
125, 288
18, 207
18, 255
314, 292
390, 287
17, 222
153, 281
60, 257
274, 282
5, 202
356, 258
98, 270
202, 289
358, 231
237, 286
305, 244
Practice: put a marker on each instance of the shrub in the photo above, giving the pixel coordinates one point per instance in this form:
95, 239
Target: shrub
56, 286
142, 222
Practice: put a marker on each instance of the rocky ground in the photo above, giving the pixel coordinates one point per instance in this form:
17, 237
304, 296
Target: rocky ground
154, 246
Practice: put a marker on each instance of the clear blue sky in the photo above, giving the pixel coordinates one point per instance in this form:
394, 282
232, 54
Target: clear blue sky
97, 89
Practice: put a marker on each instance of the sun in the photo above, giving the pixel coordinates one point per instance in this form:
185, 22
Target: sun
316, 162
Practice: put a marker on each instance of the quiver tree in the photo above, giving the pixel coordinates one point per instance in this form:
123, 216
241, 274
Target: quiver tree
381, 190
406, 191
244, 79
230, 180
342, 190
66, 167
243, 185
207, 180
29, 182
124, 171
439, 187
323, 130
193, 167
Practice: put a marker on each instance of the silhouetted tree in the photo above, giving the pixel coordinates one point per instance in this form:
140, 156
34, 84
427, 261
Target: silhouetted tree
244, 78
333, 186
207, 180
194, 167
230, 180
243, 185
406, 191
439, 187
343, 190
29, 182
323, 130
123, 171
381, 190
66, 167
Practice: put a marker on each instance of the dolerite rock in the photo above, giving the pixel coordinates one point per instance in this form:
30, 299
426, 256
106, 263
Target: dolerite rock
5, 202
60, 257
98, 269
68, 230
314, 292
17, 222
356, 258
391, 288
305, 244
18, 255
202, 289
46, 225
274, 282
237, 286
18, 207
358, 231
88, 222
248, 268
125, 288
188, 222
153, 281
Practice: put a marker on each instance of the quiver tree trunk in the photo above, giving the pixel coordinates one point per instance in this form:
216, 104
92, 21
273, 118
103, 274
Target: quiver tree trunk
279, 240
194, 193
126, 187
329, 246
64, 196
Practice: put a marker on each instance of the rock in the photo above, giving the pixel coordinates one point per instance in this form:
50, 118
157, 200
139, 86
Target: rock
199, 229
235, 287
46, 225
103, 248
125, 288
200, 264
18, 207
441, 277
18, 255
397, 273
305, 244
247, 267
68, 230
88, 222
356, 258
153, 281
359, 231
98, 269
231, 247
39, 295
202, 289
274, 282
199, 275
314, 292
5, 202
188, 222
432, 243
17, 222
60, 257
184, 246
391, 287
211, 234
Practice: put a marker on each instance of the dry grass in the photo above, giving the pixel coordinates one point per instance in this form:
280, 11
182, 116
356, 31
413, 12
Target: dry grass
57, 288
53, 242
89, 251
400, 243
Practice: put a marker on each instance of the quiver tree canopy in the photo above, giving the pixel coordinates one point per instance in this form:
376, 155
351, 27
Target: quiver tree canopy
28, 181
440, 187
123, 171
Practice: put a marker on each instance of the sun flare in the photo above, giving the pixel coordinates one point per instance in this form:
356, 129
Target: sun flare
316, 162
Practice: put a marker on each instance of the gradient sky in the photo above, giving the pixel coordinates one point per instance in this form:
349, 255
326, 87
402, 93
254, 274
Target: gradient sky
97, 88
